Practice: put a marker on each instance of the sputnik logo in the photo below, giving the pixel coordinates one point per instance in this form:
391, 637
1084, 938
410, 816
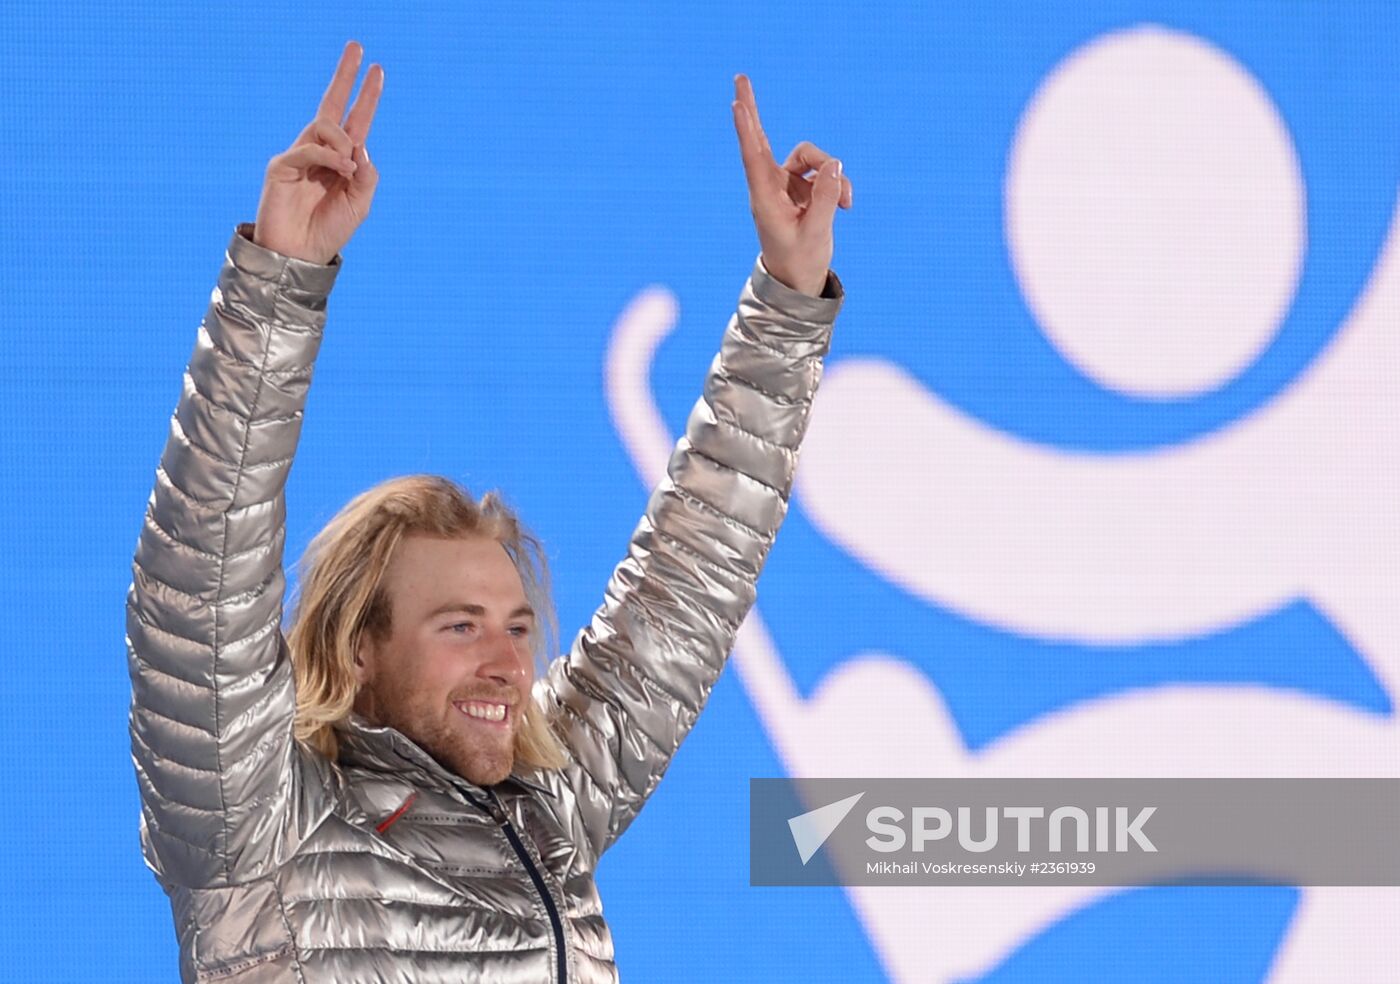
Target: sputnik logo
811, 829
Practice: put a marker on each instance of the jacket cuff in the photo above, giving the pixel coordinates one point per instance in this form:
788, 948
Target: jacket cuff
795, 304
308, 282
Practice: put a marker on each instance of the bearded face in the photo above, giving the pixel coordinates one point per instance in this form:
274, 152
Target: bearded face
454, 673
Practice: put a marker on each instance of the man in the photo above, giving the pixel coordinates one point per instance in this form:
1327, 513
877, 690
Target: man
389, 793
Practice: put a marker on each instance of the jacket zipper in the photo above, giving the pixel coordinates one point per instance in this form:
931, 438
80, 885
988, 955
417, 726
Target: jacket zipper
498, 814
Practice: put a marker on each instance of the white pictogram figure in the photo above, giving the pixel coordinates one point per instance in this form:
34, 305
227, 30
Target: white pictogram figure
1300, 499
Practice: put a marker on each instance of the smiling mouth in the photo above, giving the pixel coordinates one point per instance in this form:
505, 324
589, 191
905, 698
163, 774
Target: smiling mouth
488, 712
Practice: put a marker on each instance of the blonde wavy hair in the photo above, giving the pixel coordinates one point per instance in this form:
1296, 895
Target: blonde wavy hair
340, 598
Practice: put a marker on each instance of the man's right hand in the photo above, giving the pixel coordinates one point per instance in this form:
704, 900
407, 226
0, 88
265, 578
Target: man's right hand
317, 192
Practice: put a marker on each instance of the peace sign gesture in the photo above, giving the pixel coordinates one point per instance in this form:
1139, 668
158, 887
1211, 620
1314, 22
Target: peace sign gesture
317, 192
793, 213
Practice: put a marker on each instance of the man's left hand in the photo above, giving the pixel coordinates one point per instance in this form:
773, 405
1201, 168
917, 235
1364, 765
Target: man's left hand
792, 212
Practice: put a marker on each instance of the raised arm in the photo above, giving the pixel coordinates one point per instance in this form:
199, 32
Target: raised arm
226, 791
638, 676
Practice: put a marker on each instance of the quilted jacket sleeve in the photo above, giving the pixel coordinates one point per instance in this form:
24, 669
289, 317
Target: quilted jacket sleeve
639, 674
226, 792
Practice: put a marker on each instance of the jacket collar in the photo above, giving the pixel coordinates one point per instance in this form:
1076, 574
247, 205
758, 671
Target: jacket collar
381, 748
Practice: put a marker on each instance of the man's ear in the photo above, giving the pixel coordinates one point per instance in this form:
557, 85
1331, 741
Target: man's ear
364, 660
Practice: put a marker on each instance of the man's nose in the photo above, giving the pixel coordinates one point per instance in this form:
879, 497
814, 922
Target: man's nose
507, 659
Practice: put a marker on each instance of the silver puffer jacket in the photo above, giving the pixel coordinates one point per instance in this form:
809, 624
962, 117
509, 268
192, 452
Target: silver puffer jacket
383, 866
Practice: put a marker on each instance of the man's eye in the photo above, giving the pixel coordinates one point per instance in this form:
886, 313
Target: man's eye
460, 626
520, 630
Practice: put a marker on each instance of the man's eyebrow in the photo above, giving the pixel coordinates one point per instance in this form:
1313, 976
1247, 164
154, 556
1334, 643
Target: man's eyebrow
462, 606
